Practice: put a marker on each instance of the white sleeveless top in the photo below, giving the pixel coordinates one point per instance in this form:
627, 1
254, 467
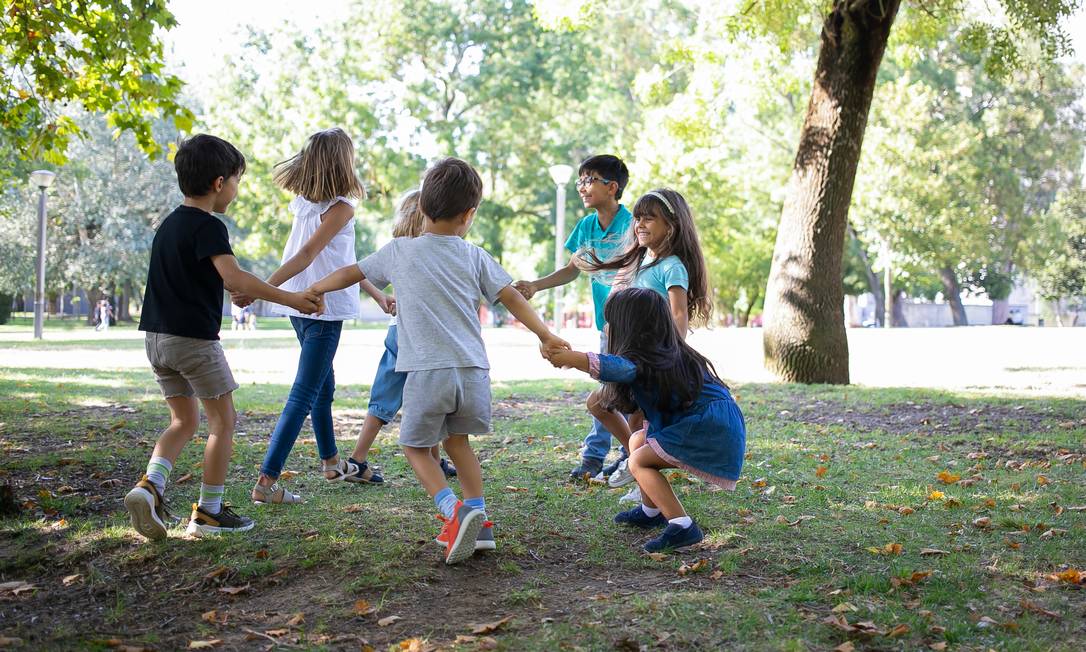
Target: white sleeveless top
341, 304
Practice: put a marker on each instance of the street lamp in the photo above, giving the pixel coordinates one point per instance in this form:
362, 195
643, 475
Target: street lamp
42, 179
560, 174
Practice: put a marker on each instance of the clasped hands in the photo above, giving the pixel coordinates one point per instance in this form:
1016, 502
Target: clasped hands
552, 349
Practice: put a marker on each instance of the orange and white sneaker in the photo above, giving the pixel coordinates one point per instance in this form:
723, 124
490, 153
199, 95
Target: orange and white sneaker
147, 510
460, 532
484, 541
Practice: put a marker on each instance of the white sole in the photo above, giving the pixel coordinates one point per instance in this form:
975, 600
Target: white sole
196, 530
141, 510
625, 481
461, 548
479, 545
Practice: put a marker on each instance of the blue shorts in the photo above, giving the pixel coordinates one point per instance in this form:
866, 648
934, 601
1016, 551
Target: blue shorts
386, 394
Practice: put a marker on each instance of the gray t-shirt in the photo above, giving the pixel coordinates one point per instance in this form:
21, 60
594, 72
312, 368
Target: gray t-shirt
439, 281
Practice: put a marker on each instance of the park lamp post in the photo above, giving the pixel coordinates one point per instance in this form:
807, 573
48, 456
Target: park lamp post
560, 174
42, 179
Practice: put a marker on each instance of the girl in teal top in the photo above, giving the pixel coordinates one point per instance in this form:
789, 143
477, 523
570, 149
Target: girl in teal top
663, 255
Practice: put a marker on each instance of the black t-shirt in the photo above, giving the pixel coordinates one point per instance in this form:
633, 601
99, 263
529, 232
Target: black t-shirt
184, 290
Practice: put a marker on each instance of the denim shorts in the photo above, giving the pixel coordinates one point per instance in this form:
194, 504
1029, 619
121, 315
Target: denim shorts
187, 366
386, 394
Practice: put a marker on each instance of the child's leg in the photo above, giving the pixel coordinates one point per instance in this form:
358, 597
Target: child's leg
614, 422
656, 492
426, 468
386, 397
435, 452
467, 466
184, 419
319, 344
371, 425
221, 418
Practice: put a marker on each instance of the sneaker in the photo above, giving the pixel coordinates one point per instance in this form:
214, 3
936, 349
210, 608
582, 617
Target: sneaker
674, 537
448, 468
460, 532
484, 540
588, 467
638, 518
621, 476
227, 520
365, 473
147, 510
632, 496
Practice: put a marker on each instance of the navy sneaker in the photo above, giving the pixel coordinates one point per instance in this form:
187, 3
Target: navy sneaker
675, 536
365, 474
638, 518
447, 468
613, 466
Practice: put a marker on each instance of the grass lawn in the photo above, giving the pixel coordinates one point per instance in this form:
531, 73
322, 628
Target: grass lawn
866, 519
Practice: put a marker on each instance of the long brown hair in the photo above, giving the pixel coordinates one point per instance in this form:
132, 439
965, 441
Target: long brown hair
323, 170
681, 241
409, 217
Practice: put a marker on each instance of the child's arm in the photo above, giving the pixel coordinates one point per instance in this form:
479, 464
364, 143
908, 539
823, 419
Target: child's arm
518, 306
676, 296
238, 280
332, 222
387, 303
341, 278
560, 276
573, 359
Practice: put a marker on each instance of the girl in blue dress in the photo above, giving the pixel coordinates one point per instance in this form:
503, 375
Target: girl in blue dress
691, 419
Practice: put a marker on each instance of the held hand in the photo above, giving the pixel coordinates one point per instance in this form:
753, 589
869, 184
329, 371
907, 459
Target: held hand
562, 358
554, 344
527, 289
390, 306
240, 300
307, 302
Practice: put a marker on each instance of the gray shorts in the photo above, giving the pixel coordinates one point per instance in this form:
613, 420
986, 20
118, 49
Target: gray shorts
187, 366
440, 402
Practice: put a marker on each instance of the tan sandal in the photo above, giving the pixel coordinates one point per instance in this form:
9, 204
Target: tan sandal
343, 469
274, 495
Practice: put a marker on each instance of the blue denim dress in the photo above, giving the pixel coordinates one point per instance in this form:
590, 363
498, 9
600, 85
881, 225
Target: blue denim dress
708, 438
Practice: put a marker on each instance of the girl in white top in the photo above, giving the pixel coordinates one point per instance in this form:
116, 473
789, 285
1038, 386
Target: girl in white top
321, 240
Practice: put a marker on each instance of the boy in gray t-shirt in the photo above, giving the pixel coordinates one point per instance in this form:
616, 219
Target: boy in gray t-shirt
439, 279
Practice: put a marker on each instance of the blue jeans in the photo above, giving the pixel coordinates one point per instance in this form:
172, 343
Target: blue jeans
598, 442
311, 394
386, 393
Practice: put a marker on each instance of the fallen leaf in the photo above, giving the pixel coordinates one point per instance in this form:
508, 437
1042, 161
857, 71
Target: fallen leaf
515, 489
1071, 576
946, 477
843, 607
487, 628
938, 647
277, 632
900, 630
262, 553
936, 495
1030, 606
693, 568
71, 579
213, 616
362, 607
112, 482
847, 646
183, 479
287, 475
465, 638
820, 471
203, 645
15, 588
388, 620
982, 522
216, 573
888, 549
234, 590
1042, 480
657, 556
296, 619
353, 509
784, 520
905, 511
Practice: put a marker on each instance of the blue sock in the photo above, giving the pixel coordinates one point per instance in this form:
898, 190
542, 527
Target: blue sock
446, 502
477, 503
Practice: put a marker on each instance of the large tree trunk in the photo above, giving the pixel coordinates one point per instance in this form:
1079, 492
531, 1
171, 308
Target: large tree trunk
804, 338
122, 309
744, 318
897, 311
953, 293
873, 283
93, 296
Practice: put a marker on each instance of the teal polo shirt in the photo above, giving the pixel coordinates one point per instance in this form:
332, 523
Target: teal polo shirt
588, 235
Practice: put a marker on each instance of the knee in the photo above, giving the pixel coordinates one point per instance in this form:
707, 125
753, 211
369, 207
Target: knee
595, 408
222, 423
637, 440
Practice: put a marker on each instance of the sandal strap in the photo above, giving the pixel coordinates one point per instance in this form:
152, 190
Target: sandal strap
342, 469
276, 494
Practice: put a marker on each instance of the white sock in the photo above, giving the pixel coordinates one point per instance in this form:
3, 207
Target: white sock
649, 511
211, 497
158, 472
683, 521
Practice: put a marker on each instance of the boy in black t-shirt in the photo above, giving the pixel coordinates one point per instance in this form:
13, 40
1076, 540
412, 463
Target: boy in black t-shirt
191, 262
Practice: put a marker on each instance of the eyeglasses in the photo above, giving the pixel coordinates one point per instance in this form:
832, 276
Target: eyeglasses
584, 182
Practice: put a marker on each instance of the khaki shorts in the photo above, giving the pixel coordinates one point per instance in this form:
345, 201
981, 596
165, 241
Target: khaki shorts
440, 402
187, 366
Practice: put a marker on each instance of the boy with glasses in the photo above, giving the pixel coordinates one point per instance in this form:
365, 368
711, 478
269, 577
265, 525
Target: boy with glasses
601, 180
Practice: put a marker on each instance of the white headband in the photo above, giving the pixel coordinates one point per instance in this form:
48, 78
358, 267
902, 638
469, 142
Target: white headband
657, 195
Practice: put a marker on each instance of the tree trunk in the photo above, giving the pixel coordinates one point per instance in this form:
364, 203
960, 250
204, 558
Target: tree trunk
804, 339
93, 296
897, 311
953, 293
123, 313
873, 283
744, 318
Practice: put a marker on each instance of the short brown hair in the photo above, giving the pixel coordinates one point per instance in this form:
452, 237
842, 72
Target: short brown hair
450, 188
323, 170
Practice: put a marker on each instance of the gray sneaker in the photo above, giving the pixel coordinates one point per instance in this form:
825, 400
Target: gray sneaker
622, 476
634, 496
